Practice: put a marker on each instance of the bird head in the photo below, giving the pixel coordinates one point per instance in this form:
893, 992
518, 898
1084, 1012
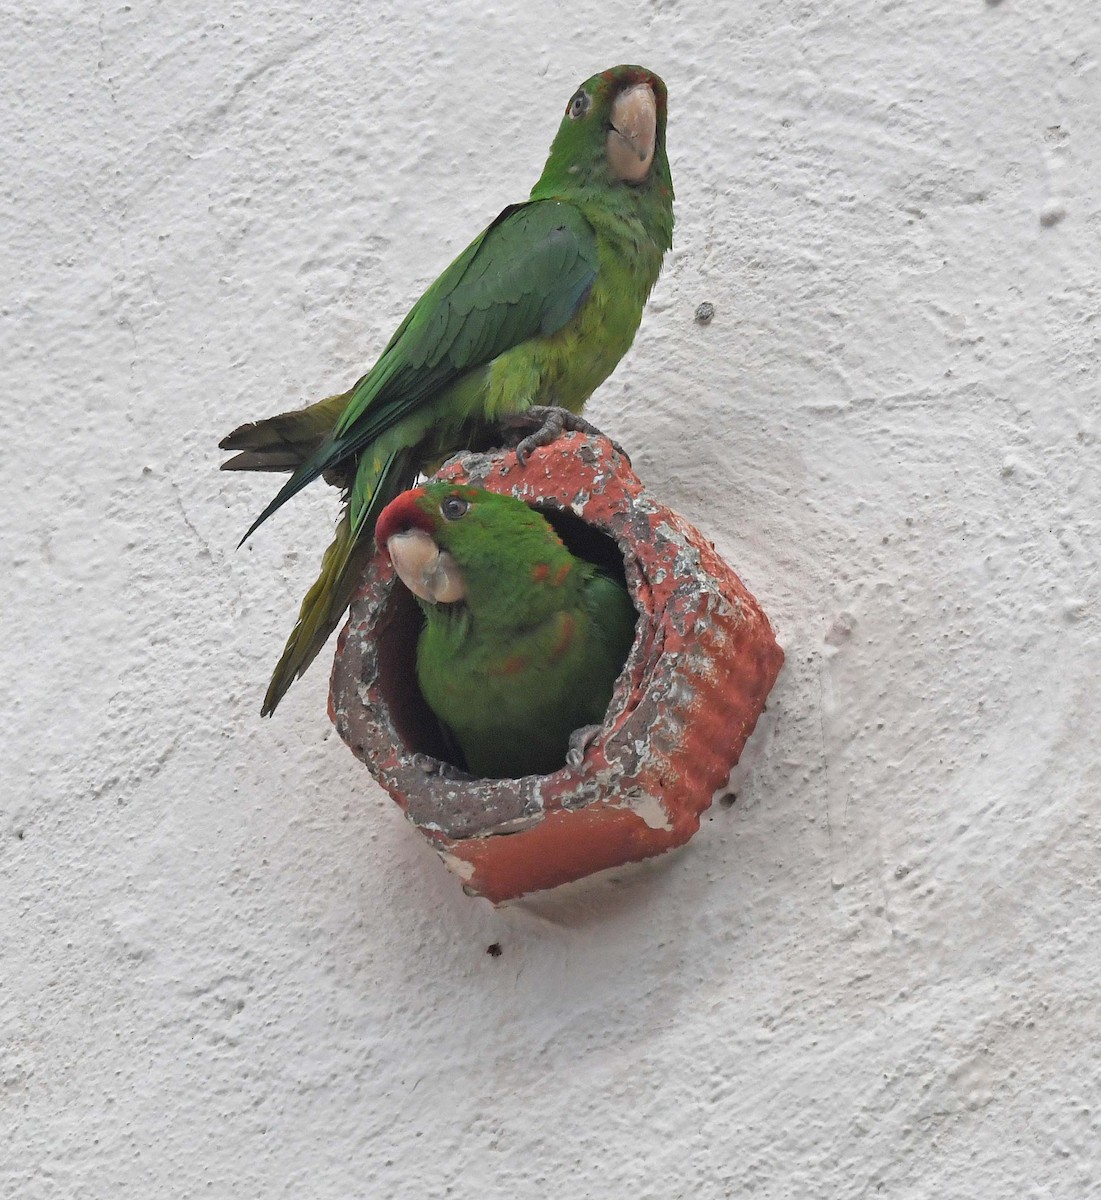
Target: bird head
613, 132
453, 543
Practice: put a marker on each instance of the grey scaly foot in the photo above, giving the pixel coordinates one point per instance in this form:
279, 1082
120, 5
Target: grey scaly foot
436, 766
552, 422
580, 740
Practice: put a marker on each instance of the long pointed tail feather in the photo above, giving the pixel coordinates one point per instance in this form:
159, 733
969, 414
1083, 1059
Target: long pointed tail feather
307, 472
341, 566
285, 441
295, 441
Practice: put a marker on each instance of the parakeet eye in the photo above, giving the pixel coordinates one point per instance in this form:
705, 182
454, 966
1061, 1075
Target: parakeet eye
453, 508
579, 105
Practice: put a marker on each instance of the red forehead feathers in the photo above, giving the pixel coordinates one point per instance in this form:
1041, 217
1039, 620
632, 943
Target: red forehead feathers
402, 513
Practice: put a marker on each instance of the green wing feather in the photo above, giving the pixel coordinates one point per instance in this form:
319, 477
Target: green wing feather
525, 275
331, 593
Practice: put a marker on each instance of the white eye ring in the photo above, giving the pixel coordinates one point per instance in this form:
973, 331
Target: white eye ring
453, 508
579, 105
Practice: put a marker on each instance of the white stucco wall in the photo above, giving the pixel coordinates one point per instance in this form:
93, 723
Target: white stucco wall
228, 968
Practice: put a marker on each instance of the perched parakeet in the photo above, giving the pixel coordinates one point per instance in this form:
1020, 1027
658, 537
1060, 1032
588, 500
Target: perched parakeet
535, 312
522, 640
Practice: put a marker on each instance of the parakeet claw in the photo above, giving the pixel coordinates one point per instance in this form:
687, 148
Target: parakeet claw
552, 422
580, 740
436, 766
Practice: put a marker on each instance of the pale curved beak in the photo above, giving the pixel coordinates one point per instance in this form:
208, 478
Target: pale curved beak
633, 135
425, 569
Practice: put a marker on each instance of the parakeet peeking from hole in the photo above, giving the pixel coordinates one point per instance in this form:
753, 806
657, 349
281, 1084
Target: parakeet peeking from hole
522, 641
532, 316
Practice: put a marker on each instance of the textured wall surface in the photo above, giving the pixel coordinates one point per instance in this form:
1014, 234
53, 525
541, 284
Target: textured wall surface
227, 966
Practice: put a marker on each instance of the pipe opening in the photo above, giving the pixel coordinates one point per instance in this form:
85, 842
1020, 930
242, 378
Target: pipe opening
401, 620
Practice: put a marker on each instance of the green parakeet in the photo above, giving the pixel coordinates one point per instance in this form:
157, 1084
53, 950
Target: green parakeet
522, 641
535, 312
